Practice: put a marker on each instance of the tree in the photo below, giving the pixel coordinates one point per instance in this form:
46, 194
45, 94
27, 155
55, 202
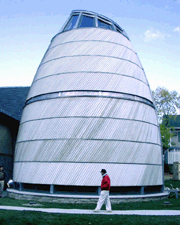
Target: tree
166, 103
166, 135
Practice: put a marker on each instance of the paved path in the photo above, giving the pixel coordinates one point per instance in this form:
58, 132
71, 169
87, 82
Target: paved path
86, 211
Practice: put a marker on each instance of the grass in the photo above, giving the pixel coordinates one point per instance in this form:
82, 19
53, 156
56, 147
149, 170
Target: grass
175, 183
17, 217
174, 204
149, 205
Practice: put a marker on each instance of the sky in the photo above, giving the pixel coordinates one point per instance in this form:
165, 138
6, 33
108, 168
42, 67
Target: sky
27, 27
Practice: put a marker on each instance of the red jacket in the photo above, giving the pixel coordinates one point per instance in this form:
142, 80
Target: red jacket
105, 184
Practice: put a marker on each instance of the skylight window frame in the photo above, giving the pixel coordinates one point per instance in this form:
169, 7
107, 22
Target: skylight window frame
87, 15
106, 22
74, 14
113, 25
118, 29
78, 20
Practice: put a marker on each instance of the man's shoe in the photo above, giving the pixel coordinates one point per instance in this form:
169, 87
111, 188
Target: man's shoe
109, 211
96, 210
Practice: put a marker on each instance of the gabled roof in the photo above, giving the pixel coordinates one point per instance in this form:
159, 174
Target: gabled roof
12, 100
174, 121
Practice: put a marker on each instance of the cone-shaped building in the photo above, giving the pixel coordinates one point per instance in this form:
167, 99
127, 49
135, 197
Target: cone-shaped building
90, 107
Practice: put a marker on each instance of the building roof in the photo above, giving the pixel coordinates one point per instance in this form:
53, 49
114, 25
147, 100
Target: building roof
174, 120
12, 100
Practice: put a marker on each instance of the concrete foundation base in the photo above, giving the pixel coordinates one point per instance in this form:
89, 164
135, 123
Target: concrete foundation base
80, 199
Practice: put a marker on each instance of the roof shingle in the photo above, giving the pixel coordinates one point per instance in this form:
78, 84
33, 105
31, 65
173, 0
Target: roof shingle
12, 100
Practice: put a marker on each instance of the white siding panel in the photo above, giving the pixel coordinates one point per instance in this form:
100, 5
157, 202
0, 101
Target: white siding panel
89, 151
89, 128
173, 156
91, 48
91, 34
89, 107
87, 174
90, 64
90, 81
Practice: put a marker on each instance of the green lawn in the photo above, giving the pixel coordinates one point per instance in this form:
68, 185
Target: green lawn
174, 204
175, 183
154, 205
17, 217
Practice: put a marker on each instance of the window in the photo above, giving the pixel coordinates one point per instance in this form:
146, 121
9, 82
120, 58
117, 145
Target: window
87, 21
103, 24
71, 24
179, 136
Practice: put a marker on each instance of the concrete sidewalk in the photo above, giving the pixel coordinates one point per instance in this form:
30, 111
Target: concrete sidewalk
86, 211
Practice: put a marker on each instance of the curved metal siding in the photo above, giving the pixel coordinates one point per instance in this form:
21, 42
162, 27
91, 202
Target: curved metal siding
91, 48
91, 64
86, 174
99, 151
89, 128
91, 34
90, 81
89, 107
79, 64
68, 140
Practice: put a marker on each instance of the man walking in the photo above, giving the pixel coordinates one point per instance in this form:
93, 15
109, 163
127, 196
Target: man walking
104, 196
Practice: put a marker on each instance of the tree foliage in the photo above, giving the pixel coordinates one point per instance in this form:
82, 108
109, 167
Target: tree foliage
166, 135
166, 103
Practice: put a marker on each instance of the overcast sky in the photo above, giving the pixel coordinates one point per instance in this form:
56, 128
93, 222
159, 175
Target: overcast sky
27, 27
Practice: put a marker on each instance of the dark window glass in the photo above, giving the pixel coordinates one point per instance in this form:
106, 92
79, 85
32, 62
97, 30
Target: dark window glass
87, 21
71, 23
102, 24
